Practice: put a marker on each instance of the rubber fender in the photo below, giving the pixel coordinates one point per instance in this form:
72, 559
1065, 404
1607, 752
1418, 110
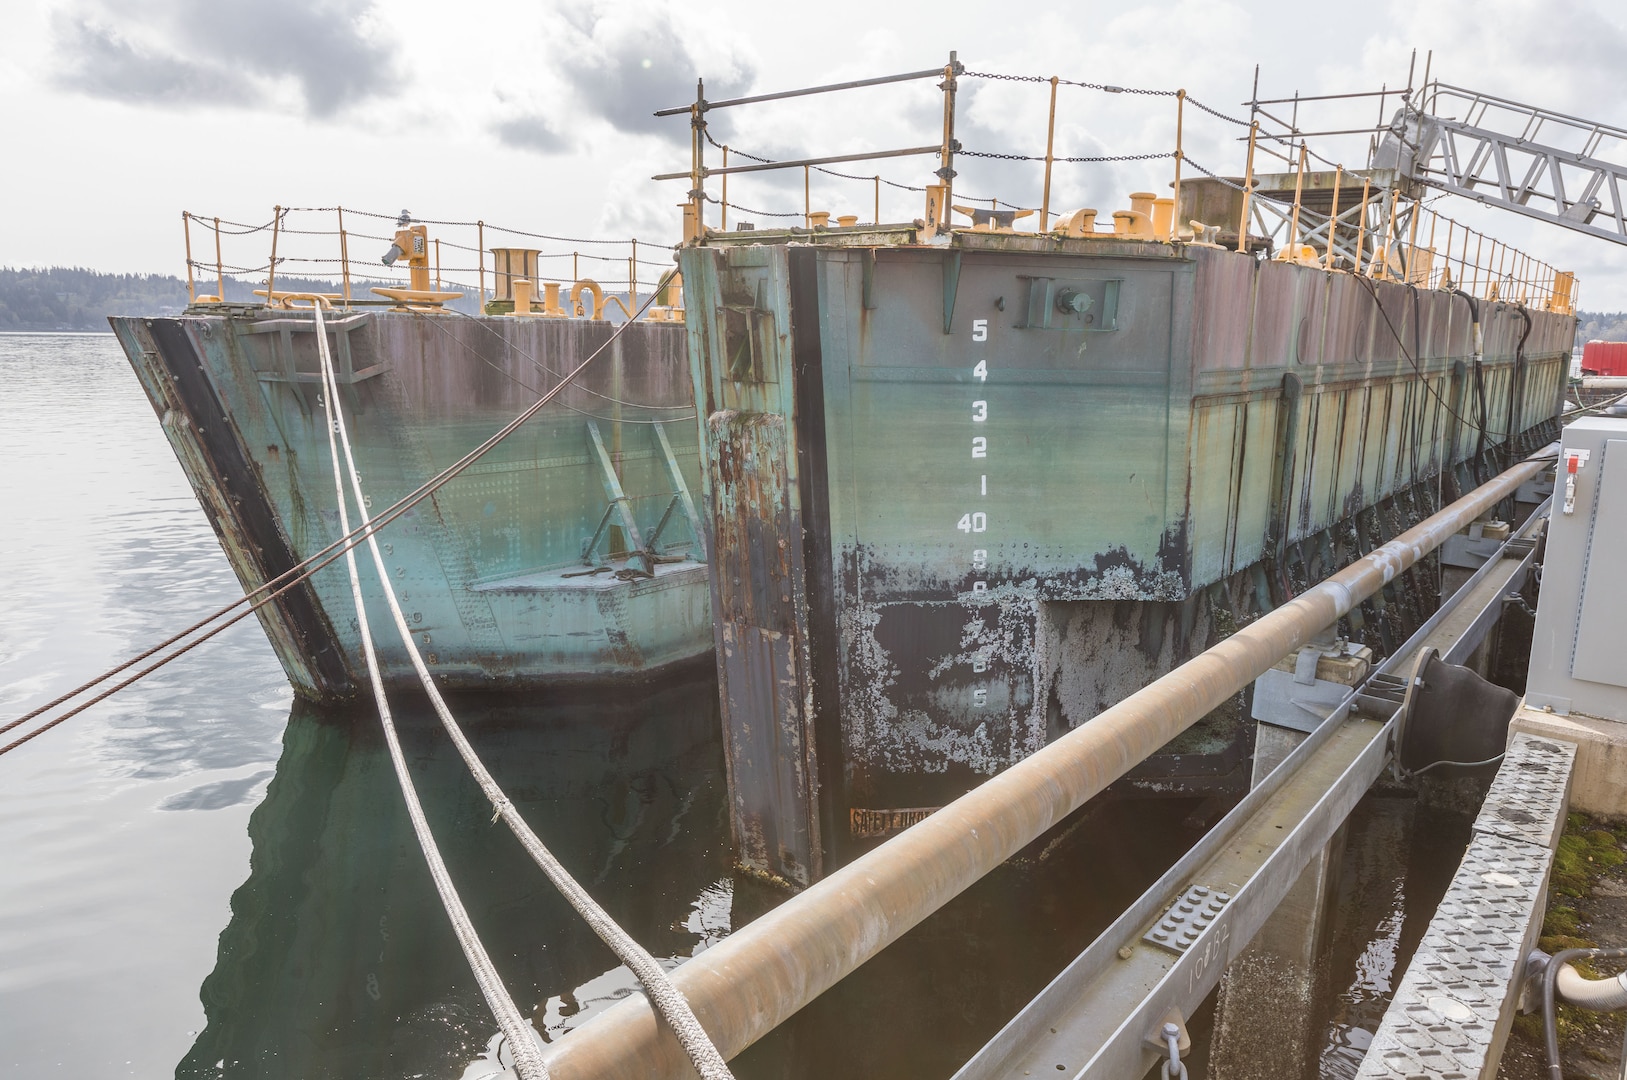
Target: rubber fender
1452, 714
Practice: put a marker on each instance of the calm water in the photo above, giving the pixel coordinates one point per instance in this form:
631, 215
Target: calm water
203, 878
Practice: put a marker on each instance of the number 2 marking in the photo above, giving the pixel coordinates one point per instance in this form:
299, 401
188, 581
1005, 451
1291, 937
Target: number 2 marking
980, 329
980, 446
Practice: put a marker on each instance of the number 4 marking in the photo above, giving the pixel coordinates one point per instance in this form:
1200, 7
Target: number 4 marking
981, 371
980, 329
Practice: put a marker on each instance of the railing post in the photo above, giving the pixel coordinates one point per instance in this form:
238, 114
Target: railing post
1333, 213
344, 255
220, 267
186, 228
437, 264
725, 196
1248, 186
946, 171
1479, 244
1361, 222
271, 275
632, 281
807, 207
1293, 222
1050, 143
1175, 197
480, 257
878, 199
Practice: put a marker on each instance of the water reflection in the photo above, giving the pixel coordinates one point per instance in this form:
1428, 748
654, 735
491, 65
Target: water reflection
1399, 857
338, 960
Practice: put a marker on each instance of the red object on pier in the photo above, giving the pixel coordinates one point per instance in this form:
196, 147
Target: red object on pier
1604, 358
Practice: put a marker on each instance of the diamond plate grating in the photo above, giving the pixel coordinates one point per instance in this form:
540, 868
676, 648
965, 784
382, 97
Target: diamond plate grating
1527, 799
1462, 982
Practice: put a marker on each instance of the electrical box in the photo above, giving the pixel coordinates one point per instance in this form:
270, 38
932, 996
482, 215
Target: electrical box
1579, 646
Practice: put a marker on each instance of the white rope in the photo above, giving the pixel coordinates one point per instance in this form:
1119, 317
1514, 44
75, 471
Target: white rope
663, 995
527, 1058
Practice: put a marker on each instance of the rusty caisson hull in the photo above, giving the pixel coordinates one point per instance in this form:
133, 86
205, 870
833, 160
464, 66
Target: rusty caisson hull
964, 494
493, 570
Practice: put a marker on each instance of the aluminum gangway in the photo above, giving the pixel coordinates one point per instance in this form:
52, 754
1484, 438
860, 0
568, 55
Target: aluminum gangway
1534, 161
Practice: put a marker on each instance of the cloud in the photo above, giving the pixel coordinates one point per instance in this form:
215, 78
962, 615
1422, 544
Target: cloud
623, 65
193, 52
530, 133
102, 63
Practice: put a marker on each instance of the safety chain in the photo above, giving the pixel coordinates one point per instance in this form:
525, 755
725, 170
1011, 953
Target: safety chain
850, 176
1105, 87
1212, 176
763, 213
1071, 160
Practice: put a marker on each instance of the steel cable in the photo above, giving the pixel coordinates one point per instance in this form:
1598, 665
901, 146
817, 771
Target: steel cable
528, 1061
666, 998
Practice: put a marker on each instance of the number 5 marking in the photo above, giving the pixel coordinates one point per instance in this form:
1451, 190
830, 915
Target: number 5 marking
980, 329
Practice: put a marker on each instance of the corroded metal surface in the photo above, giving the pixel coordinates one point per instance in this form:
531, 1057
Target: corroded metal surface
748, 984
1047, 469
482, 565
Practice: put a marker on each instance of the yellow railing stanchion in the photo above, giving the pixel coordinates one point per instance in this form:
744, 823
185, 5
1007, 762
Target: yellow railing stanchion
1293, 222
1175, 197
1333, 215
271, 276
220, 267
186, 227
1050, 144
344, 255
1248, 186
1412, 245
1361, 222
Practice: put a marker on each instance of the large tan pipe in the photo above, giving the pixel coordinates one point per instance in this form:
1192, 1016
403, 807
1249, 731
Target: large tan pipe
748, 984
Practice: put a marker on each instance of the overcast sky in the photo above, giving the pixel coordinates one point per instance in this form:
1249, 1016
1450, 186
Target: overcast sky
537, 115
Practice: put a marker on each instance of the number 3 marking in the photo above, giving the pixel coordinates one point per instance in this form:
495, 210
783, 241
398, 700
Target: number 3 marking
980, 329
980, 411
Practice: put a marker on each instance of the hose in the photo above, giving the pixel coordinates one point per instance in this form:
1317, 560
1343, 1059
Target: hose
1550, 980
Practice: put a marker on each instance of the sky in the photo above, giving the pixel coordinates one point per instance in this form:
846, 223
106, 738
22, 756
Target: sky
537, 116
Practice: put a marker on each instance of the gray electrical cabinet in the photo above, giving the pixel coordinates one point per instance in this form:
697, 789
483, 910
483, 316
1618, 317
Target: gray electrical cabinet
1579, 646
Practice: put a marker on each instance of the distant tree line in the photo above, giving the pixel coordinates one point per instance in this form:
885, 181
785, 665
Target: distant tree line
74, 298
1601, 326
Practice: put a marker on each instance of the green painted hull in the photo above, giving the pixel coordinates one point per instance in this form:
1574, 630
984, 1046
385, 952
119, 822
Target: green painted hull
490, 570
965, 495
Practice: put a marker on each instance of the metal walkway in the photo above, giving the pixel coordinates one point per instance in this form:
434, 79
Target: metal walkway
1534, 161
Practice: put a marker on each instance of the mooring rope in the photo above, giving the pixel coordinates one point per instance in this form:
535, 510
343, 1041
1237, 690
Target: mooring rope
527, 1059
663, 995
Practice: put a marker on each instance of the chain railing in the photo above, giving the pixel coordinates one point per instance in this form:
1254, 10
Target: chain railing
351, 255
